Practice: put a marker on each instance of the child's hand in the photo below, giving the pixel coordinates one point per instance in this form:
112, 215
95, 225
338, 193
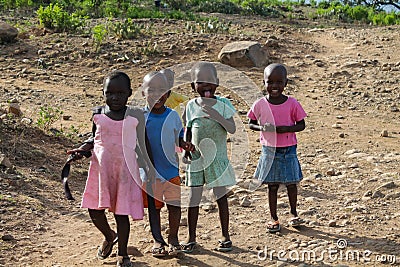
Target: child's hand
187, 157
78, 153
187, 146
212, 113
268, 127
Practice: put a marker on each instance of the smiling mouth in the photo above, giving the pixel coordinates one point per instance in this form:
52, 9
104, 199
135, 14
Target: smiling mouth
207, 93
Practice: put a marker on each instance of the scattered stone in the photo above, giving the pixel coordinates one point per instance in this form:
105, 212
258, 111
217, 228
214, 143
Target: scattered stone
389, 185
331, 172
183, 222
208, 207
384, 133
243, 54
7, 237
332, 223
378, 194
245, 202
4, 161
8, 33
14, 108
26, 121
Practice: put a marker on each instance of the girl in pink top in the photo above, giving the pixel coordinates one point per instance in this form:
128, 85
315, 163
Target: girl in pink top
113, 181
278, 117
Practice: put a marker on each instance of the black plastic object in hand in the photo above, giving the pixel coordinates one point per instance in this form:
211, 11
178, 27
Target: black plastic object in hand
66, 169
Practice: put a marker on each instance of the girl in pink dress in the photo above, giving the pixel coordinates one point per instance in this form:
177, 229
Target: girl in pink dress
113, 181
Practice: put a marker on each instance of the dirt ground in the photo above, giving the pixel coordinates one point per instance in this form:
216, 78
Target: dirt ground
345, 76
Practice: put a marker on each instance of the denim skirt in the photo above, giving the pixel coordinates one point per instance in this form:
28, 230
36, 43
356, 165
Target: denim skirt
278, 165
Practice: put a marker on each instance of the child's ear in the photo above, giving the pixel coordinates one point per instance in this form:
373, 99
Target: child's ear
193, 87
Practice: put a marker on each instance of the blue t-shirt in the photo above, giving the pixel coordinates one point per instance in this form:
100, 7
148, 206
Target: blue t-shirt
163, 131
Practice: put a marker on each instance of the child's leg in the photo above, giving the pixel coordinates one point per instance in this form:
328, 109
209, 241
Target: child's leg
222, 201
123, 228
174, 219
273, 200
193, 211
292, 194
172, 197
99, 220
156, 244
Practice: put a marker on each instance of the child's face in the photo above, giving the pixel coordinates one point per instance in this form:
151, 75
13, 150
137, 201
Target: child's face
275, 82
205, 81
155, 97
116, 93
156, 90
205, 89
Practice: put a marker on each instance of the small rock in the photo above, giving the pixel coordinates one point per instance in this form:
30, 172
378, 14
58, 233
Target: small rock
245, 202
26, 121
7, 238
389, 185
4, 161
378, 194
384, 133
183, 222
208, 206
331, 172
14, 109
332, 223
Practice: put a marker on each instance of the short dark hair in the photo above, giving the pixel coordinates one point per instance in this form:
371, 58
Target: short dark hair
116, 74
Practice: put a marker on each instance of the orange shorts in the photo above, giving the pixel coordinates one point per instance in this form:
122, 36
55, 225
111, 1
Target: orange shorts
168, 192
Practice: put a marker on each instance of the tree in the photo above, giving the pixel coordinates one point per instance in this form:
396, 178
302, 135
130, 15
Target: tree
373, 3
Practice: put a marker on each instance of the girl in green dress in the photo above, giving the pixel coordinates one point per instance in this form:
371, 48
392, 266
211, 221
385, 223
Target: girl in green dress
208, 119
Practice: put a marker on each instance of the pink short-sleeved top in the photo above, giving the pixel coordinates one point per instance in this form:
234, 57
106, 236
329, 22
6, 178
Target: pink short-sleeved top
285, 114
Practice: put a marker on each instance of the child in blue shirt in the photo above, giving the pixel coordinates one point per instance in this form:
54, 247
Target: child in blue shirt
165, 132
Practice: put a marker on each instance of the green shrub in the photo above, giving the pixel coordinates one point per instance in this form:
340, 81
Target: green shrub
54, 17
99, 33
127, 29
47, 117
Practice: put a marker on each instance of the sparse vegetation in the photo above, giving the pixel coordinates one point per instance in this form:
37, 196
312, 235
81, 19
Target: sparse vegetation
68, 15
48, 116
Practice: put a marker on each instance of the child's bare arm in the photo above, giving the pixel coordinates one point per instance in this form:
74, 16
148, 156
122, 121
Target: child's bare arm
188, 139
298, 127
253, 125
142, 139
86, 146
228, 124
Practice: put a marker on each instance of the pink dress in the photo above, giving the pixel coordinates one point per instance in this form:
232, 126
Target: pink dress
113, 181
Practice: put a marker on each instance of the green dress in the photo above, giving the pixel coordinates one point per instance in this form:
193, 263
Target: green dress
210, 165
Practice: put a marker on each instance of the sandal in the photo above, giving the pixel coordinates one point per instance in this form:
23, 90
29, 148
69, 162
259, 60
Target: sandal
224, 246
296, 221
159, 252
188, 247
124, 261
273, 227
174, 250
106, 248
